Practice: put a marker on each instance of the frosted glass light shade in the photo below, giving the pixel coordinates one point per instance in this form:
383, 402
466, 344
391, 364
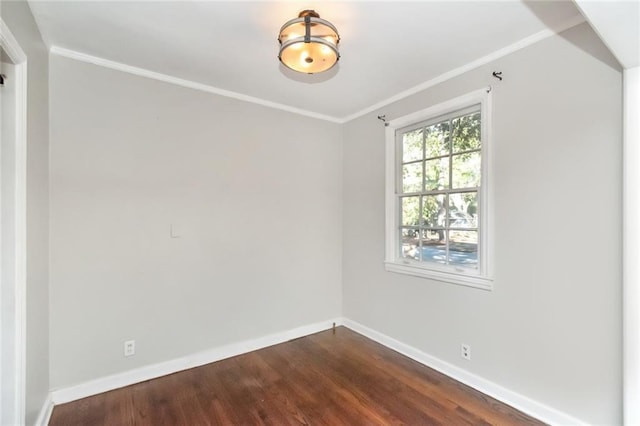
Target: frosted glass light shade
309, 44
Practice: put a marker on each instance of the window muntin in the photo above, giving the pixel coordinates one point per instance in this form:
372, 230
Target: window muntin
437, 192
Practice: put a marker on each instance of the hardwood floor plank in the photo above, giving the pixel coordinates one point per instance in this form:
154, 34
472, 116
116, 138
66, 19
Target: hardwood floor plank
329, 378
380, 382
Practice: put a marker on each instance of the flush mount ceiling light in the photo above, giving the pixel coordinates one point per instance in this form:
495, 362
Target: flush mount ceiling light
309, 44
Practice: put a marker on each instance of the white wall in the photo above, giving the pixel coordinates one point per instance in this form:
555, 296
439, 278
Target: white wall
255, 193
551, 328
18, 18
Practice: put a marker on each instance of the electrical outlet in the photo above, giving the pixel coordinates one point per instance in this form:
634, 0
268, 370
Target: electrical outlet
129, 348
465, 351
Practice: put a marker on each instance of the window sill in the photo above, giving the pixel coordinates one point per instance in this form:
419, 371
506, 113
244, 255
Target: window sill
475, 281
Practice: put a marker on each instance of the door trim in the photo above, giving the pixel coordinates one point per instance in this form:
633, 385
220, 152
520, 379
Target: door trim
13, 50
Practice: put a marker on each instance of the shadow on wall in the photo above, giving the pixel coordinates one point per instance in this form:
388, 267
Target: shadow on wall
597, 50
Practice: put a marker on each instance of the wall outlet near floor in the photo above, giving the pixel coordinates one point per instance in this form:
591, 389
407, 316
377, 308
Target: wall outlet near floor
129, 348
465, 351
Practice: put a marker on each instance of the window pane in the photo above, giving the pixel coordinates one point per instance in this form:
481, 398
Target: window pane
436, 174
433, 211
412, 177
412, 145
433, 248
409, 242
437, 139
463, 210
410, 211
463, 248
466, 132
466, 170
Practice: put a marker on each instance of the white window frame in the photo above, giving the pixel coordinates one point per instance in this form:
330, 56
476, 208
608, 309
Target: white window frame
482, 277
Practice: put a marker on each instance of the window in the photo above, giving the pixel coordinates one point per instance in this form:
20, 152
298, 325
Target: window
438, 215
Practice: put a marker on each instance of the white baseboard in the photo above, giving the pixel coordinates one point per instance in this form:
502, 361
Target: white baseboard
526, 405
520, 402
45, 412
104, 384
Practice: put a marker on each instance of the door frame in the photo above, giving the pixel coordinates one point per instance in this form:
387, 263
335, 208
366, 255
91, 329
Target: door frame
13, 50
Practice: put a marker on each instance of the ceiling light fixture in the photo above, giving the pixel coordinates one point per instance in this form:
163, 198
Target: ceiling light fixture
309, 44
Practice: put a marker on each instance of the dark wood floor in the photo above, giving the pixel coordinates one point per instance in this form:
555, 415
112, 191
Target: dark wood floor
323, 379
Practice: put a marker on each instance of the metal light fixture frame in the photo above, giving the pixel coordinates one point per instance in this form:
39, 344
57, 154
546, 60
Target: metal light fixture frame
309, 18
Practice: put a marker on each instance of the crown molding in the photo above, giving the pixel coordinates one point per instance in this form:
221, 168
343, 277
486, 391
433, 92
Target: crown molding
142, 72
525, 42
528, 41
10, 45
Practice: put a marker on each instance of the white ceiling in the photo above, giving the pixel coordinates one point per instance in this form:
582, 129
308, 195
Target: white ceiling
387, 47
